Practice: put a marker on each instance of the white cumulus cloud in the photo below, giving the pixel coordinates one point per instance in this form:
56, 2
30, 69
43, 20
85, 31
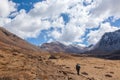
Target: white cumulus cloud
47, 14
6, 7
95, 36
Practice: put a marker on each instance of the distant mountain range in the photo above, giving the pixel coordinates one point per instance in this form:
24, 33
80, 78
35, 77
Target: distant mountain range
109, 43
60, 47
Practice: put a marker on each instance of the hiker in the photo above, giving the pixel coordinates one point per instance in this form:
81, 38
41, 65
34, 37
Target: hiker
78, 68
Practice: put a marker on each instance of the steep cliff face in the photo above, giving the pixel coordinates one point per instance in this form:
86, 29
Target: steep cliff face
109, 42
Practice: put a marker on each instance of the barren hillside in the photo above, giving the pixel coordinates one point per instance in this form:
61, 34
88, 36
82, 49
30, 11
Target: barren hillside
9, 40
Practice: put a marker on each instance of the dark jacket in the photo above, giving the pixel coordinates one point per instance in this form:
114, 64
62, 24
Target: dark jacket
78, 67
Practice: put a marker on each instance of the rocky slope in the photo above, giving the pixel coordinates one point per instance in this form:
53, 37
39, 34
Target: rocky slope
109, 42
53, 47
108, 47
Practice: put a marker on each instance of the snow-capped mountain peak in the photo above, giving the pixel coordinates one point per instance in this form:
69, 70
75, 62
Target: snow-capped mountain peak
109, 41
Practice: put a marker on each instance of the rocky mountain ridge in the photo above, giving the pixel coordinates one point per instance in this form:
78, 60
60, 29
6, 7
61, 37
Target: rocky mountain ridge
60, 47
109, 42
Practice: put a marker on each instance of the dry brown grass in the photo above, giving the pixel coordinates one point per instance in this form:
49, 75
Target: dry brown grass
99, 69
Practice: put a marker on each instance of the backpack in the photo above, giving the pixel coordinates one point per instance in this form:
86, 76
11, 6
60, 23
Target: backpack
78, 66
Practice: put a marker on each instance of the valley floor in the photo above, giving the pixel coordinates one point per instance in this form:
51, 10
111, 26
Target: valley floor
92, 68
23, 66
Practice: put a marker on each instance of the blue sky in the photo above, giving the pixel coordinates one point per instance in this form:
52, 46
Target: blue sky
81, 22
25, 4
